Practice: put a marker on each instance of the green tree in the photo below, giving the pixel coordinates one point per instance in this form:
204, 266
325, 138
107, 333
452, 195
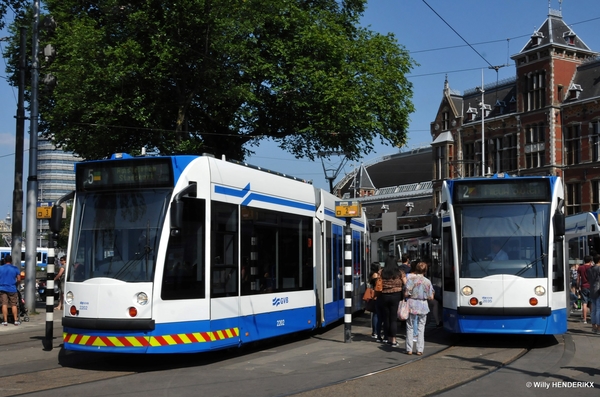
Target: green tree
14, 6
219, 76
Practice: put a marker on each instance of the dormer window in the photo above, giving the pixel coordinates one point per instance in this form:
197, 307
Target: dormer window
487, 109
570, 37
574, 91
536, 38
501, 105
471, 113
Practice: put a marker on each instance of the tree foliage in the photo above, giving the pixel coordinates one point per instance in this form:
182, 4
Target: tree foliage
14, 6
218, 76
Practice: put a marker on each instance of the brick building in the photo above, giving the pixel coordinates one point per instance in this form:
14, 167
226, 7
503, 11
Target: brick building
543, 121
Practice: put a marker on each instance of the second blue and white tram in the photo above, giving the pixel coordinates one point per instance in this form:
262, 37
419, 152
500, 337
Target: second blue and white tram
582, 233
192, 253
504, 268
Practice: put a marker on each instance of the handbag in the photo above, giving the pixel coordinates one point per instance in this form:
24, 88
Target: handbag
379, 284
403, 310
371, 306
368, 295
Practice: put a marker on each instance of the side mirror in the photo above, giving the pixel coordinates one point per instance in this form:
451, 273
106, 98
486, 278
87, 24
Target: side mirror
56, 218
177, 214
559, 224
436, 222
177, 206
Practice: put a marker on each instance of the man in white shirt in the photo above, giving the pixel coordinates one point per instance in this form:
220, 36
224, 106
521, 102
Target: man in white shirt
497, 254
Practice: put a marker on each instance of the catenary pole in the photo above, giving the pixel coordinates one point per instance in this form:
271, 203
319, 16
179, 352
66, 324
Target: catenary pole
17, 205
32, 182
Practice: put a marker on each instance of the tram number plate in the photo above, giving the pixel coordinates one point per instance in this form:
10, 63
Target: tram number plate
280, 323
486, 299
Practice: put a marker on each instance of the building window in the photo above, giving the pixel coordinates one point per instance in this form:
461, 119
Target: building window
469, 159
497, 155
595, 195
446, 121
573, 198
439, 163
534, 146
572, 144
510, 152
535, 96
594, 132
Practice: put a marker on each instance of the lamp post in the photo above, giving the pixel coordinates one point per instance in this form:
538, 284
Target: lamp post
482, 127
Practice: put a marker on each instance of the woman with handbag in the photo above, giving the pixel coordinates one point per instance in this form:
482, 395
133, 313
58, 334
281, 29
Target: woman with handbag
372, 304
418, 291
393, 279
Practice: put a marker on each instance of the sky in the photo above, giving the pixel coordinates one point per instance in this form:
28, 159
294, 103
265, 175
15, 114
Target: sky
459, 39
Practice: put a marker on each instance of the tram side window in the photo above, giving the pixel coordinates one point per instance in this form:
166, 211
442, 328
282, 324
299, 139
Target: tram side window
224, 250
183, 276
558, 273
448, 261
329, 254
276, 252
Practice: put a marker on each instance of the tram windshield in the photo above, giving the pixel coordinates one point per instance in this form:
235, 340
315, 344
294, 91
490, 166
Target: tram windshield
503, 239
116, 234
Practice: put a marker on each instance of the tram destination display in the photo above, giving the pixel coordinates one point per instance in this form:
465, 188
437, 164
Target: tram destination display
513, 190
124, 174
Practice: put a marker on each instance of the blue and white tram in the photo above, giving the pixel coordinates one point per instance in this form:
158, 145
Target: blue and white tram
41, 257
192, 253
582, 233
518, 287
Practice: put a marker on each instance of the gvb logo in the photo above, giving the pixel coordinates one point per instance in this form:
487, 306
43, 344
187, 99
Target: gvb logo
280, 301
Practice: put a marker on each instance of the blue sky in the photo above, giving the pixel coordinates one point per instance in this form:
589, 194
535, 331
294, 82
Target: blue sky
495, 29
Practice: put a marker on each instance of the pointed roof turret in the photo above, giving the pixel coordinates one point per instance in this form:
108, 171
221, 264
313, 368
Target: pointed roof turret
554, 31
364, 180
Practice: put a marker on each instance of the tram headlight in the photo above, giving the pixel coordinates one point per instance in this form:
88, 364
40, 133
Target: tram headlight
142, 298
539, 290
69, 297
467, 291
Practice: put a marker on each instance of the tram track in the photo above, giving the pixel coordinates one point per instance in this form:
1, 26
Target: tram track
430, 375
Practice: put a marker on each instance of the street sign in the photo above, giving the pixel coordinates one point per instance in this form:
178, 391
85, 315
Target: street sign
44, 212
348, 209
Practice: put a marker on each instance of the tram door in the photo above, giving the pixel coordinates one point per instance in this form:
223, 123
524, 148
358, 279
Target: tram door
334, 273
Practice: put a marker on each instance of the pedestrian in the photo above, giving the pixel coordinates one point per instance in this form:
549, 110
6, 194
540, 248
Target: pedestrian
594, 280
60, 279
375, 317
573, 294
10, 276
418, 291
405, 266
584, 286
393, 281
410, 274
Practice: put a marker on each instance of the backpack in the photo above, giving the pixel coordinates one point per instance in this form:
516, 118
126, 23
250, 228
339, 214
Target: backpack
593, 277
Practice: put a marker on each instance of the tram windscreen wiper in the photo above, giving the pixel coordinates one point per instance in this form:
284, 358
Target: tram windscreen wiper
530, 265
137, 259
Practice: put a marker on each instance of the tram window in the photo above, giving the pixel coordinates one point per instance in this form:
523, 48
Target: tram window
448, 261
277, 250
224, 250
558, 273
329, 254
183, 275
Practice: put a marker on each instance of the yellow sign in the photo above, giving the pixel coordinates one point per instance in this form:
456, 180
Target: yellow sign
44, 212
348, 209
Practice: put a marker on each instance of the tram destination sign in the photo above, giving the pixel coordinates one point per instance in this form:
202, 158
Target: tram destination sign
124, 174
348, 209
501, 190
